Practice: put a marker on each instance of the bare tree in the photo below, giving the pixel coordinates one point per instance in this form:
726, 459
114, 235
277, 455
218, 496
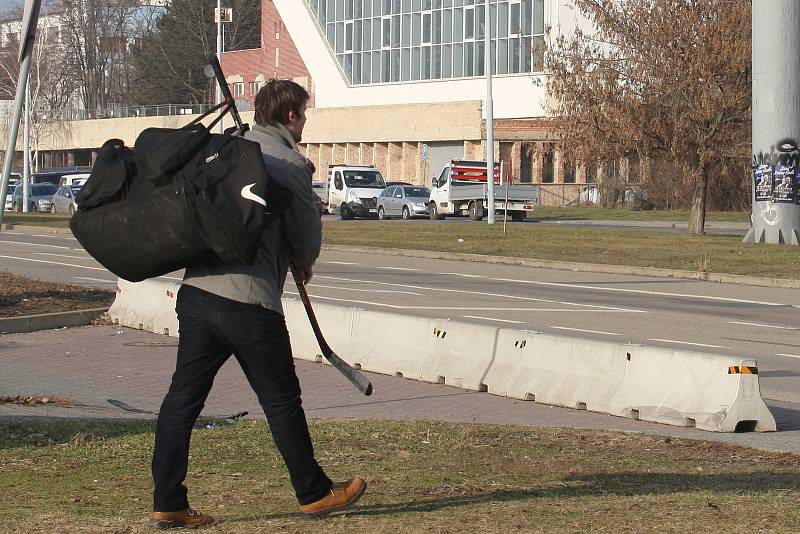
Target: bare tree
665, 78
98, 35
51, 82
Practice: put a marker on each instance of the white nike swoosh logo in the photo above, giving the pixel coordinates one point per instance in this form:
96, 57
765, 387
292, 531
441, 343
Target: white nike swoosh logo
249, 195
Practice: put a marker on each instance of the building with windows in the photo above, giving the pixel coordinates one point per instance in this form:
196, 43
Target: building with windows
400, 84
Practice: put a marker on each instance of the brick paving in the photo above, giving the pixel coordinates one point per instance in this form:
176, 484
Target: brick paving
89, 365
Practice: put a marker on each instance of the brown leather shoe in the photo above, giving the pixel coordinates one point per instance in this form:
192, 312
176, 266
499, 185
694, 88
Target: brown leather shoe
183, 519
342, 495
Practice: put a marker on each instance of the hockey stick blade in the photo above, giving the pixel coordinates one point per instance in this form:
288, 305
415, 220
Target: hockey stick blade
355, 377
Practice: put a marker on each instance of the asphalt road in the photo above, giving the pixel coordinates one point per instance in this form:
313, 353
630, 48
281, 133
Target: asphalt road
738, 320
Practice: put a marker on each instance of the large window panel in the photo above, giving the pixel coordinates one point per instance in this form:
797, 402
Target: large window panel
406, 6
367, 34
357, 69
386, 32
387, 7
376, 7
339, 37
416, 5
436, 27
348, 9
426, 28
396, 65
376, 33
425, 67
458, 60
538, 16
469, 59
366, 71
330, 33
447, 61
406, 30
415, 63
386, 66
367, 8
348, 66
395, 31
376, 67
358, 36
358, 11
339, 10
514, 55
479, 58
502, 20
447, 26
480, 22
348, 36
436, 62
395, 7
405, 65
526, 17
331, 10
323, 13
526, 55
502, 56
538, 54
514, 26
469, 23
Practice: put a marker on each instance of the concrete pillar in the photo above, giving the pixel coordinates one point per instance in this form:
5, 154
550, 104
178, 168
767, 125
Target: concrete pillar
776, 122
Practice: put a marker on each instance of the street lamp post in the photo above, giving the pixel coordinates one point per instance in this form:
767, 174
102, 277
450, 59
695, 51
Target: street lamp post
487, 67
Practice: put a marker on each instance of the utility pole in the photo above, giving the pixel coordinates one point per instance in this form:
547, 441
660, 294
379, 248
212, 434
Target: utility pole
220, 127
487, 67
775, 215
30, 18
26, 147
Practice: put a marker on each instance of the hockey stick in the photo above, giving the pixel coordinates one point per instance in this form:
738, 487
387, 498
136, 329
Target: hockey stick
360, 381
128, 408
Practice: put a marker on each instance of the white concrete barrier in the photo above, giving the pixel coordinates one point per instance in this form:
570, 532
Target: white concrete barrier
707, 391
147, 305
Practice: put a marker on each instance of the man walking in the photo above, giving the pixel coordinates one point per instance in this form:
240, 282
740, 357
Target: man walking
226, 309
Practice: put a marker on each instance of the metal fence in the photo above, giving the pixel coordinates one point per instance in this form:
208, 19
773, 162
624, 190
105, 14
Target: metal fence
124, 111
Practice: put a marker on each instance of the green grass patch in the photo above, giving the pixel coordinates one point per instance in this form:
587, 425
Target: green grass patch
545, 213
71, 476
710, 253
49, 220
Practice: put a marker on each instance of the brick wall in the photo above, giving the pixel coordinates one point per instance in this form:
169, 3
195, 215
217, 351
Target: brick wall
260, 63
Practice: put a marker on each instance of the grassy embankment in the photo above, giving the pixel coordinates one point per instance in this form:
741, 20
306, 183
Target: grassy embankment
74, 476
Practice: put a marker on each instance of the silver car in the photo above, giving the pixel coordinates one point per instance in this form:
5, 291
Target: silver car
39, 197
405, 201
64, 200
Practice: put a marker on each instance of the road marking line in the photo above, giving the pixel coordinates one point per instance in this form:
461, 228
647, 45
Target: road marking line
172, 278
339, 263
492, 319
55, 263
462, 274
368, 290
36, 245
63, 255
688, 343
587, 331
644, 292
94, 279
399, 269
789, 355
461, 291
765, 325
464, 308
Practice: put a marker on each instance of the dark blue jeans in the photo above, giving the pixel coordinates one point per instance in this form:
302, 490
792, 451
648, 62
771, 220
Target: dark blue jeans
211, 329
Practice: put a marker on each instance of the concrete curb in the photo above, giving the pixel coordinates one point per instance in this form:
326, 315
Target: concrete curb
38, 229
48, 321
575, 266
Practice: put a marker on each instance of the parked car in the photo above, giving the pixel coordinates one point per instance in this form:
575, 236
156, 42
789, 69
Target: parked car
321, 190
406, 201
40, 197
74, 179
64, 199
390, 184
9, 198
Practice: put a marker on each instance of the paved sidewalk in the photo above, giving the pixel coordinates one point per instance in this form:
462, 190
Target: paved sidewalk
89, 365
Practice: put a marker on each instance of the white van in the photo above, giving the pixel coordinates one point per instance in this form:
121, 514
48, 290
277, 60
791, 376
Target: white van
353, 190
74, 179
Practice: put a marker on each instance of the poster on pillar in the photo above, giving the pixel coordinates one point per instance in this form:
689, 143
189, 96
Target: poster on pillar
762, 177
785, 189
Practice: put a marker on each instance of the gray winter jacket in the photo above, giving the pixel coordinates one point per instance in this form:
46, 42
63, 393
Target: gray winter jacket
296, 237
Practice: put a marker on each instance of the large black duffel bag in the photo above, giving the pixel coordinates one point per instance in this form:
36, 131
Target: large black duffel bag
179, 196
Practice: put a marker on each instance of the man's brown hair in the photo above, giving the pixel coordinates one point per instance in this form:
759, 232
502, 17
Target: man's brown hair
276, 99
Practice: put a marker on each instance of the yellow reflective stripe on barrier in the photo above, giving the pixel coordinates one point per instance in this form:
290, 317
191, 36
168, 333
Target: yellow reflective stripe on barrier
744, 369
